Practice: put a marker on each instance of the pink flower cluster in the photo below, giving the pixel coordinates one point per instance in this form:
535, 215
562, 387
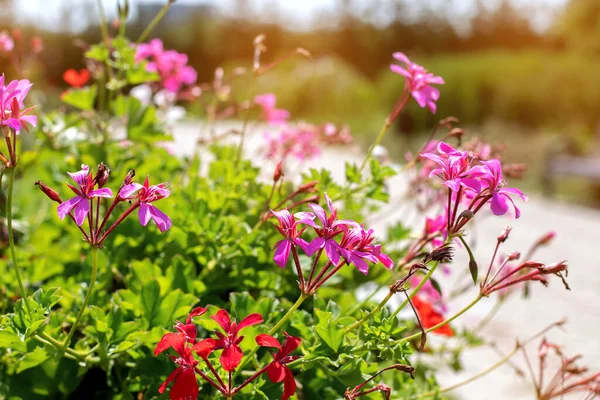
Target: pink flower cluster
471, 181
300, 141
342, 242
170, 65
90, 189
7, 44
418, 81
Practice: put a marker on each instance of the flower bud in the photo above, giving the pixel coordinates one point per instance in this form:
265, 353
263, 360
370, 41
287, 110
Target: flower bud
307, 187
546, 239
554, 268
504, 234
102, 174
440, 254
129, 177
278, 172
52, 194
515, 256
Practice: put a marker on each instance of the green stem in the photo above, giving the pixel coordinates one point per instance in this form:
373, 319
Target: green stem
272, 331
240, 151
433, 328
155, 21
86, 299
380, 136
416, 290
11, 238
369, 315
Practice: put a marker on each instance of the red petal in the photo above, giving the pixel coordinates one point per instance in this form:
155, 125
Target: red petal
252, 319
276, 372
185, 386
231, 357
188, 330
204, 347
267, 341
223, 319
195, 313
168, 340
291, 344
289, 385
169, 379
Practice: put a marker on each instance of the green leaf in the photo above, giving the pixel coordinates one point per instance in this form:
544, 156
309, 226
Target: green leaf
10, 340
32, 359
150, 300
436, 286
82, 99
353, 174
97, 52
328, 330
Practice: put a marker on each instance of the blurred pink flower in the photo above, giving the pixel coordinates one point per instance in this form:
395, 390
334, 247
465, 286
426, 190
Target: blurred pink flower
7, 44
419, 81
271, 114
12, 97
358, 248
299, 142
170, 65
429, 293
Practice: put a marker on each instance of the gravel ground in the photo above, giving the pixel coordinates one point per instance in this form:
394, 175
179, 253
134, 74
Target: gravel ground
578, 232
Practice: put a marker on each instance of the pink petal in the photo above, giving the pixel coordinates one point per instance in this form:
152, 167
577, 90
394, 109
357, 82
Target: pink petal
144, 214
315, 245
399, 70
104, 192
282, 252
319, 212
401, 57
161, 219
498, 205
127, 191
331, 251
66, 207
81, 211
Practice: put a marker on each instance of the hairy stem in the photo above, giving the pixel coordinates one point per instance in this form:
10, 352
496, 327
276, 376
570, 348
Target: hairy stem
154, 22
416, 290
369, 315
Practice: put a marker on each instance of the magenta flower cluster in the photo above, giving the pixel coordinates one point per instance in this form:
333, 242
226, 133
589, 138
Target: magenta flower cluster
418, 81
171, 66
342, 242
89, 190
12, 97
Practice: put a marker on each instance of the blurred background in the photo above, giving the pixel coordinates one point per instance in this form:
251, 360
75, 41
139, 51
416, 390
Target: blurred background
525, 73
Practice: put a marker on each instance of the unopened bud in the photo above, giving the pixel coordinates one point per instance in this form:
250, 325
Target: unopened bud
514, 171
406, 368
504, 234
129, 177
546, 239
102, 174
515, 256
52, 194
308, 187
456, 132
554, 268
440, 254
278, 172
303, 52
448, 121
467, 214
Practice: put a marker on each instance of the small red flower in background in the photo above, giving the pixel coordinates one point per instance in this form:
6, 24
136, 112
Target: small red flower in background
229, 342
431, 317
76, 79
277, 371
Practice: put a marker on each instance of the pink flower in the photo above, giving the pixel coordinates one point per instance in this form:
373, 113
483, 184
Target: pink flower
419, 81
429, 294
332, 226
170, 65
148, 194
436, 226
288, 227
230, 341
500, 194
278, 370
7, 43
271, 114
12, 97
84, 192
358, 248
299, 142
456, 169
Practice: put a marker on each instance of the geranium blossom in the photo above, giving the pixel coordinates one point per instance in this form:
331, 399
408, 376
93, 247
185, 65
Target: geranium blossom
358, 248
455, 168
12, 97
430, 317
331, 227
300, 142
76, 79
500, 194
185, 385
147, 195
288, 227
170, 65
278, 370
84, 192
271, 114
7, 43
419, 81
229, 342
185, 333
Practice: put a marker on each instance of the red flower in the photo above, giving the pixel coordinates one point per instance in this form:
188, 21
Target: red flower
185, 386
76, 79
431, 317
229, 342
278, 370
185, 333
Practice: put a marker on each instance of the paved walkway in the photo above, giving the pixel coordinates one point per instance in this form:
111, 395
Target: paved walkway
578, 234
